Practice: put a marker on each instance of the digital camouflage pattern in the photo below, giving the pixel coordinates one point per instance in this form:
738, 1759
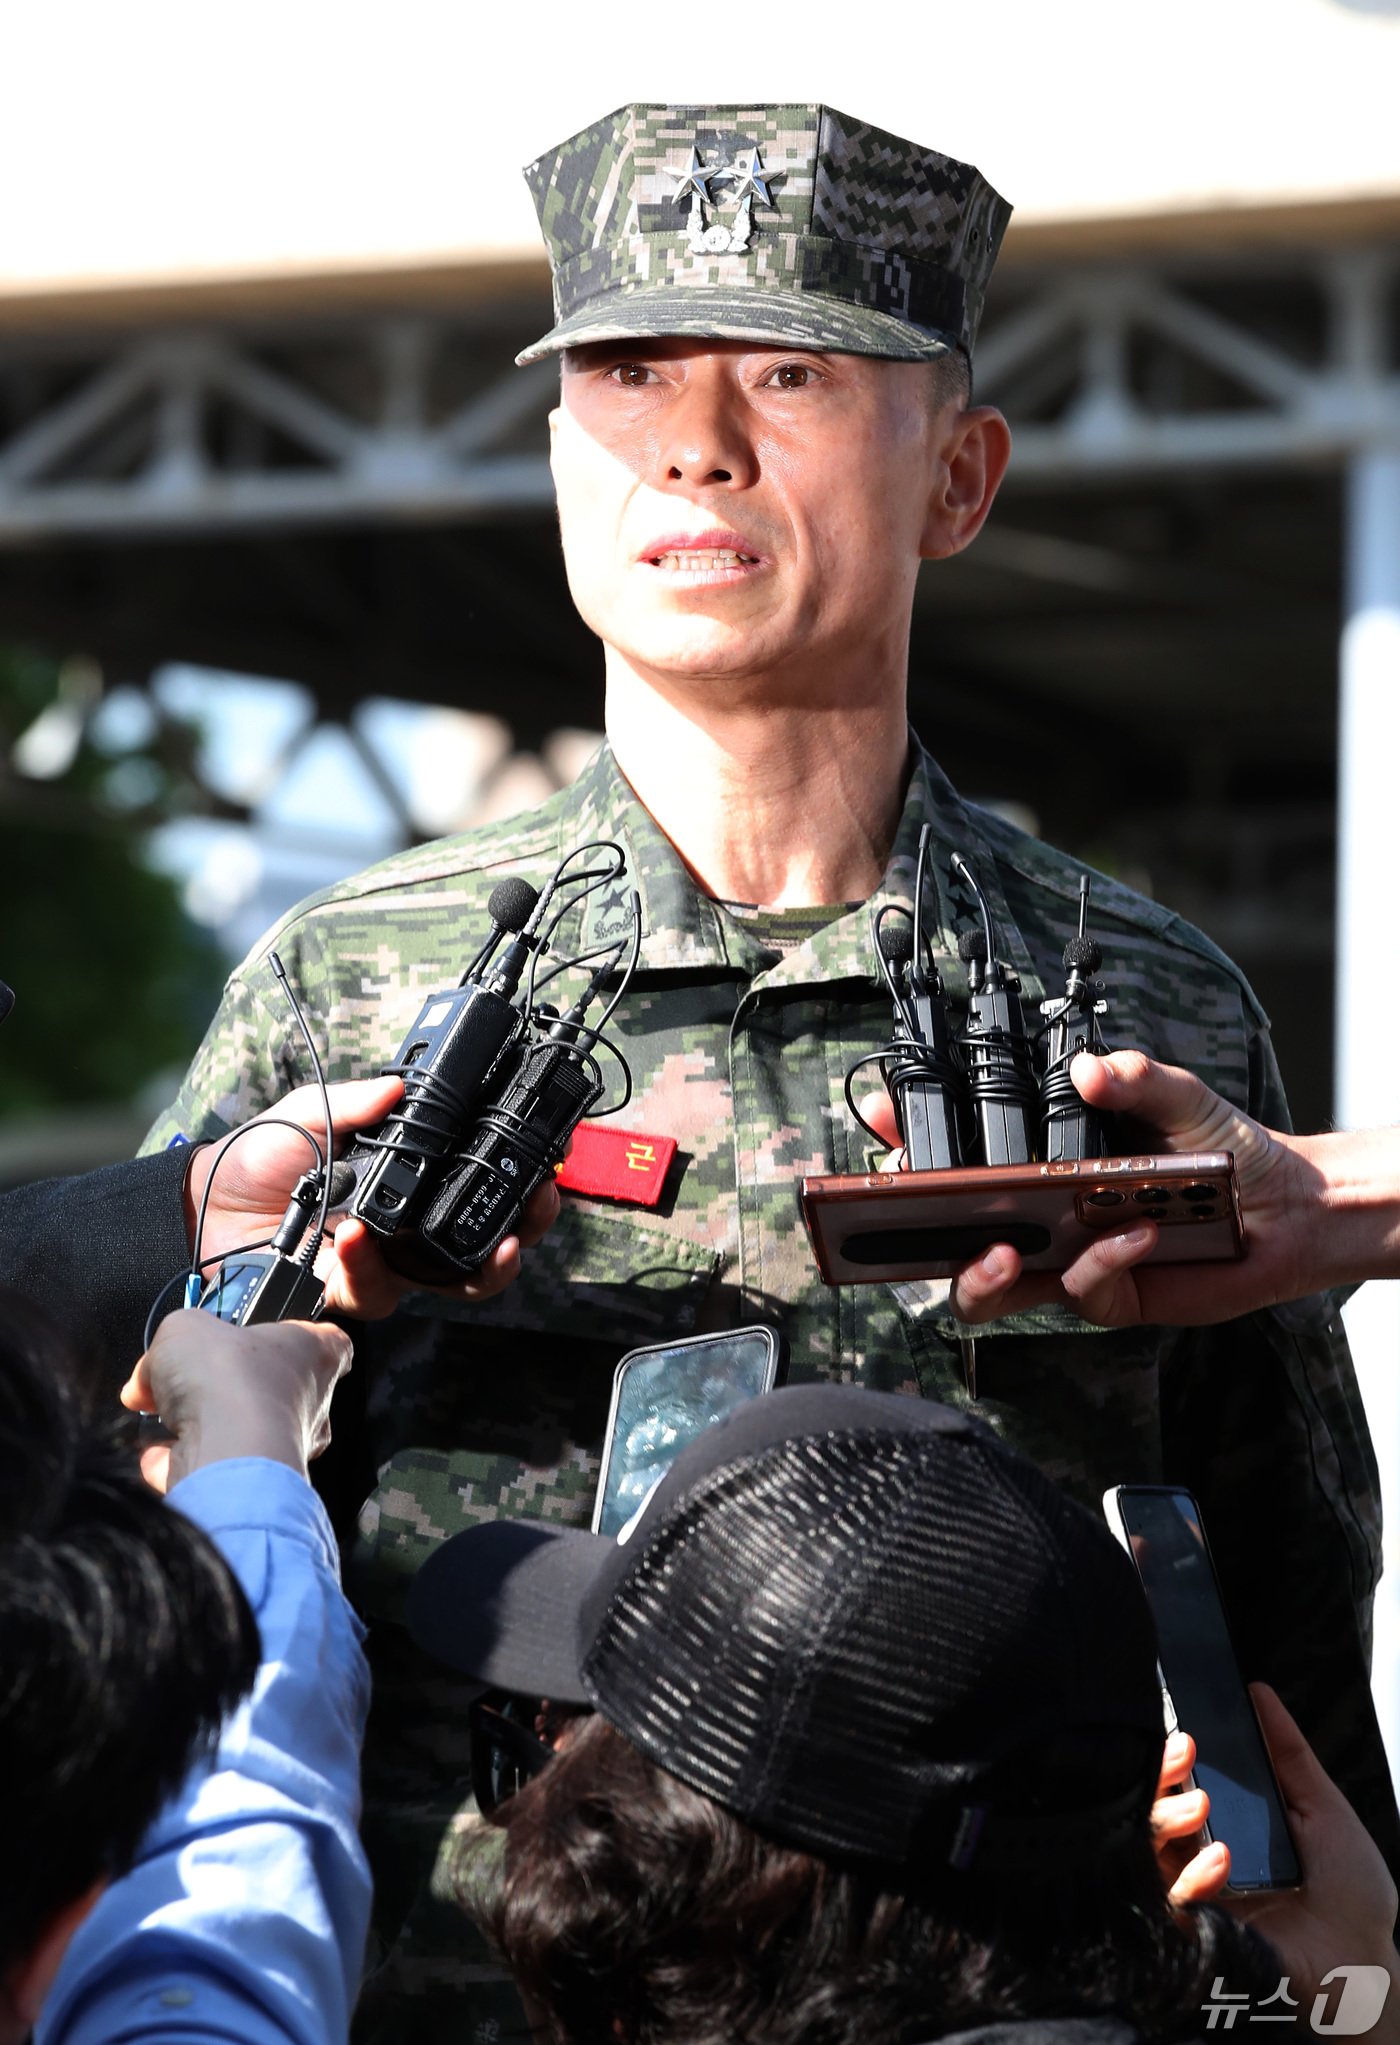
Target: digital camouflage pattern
740, 1054
795, 223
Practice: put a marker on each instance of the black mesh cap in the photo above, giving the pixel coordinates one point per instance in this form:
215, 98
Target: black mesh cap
857, 1620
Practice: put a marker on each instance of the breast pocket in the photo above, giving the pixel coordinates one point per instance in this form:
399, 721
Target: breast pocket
479, 1412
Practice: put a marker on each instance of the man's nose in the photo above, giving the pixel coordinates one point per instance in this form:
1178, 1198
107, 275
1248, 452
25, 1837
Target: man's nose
706, 439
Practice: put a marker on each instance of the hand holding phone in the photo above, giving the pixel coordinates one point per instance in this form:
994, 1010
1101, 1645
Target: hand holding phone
998, 1145
868, 1226
1343, 1915
1193, 1870
1203, 1690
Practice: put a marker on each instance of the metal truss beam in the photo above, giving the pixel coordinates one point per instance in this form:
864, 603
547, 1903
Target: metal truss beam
1103, 373
1111, 374
204, 431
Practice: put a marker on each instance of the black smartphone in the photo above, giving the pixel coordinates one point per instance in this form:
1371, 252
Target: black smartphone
663, 1396
1203, 1690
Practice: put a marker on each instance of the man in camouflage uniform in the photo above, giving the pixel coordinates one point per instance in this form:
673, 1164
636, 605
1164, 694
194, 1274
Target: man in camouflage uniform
764, 426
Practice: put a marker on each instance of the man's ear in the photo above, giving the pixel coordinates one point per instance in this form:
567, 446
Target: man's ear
28, 1980
971, 463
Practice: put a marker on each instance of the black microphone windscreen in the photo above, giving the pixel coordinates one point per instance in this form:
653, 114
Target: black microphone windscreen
1083, 953
896, 940
343, 1182
7, 1000
972, 944
510, 903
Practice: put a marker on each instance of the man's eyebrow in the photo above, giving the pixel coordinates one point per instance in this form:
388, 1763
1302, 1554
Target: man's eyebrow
604, 351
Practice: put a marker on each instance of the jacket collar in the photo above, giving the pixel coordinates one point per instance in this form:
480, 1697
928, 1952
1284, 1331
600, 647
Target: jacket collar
683, 929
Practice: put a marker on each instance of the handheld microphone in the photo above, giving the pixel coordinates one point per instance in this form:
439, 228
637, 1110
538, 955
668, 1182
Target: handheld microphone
520, 1137
490, 1097
460, 1043
920, 1069
996, 1052
1071, 1127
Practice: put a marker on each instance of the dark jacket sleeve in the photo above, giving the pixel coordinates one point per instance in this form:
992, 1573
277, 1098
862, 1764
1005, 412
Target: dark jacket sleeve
93, 1252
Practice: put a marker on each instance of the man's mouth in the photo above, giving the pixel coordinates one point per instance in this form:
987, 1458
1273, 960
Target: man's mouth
696, 559
701, 553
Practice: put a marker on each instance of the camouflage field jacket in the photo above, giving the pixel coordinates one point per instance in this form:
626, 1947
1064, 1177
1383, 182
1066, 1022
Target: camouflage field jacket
463, 1413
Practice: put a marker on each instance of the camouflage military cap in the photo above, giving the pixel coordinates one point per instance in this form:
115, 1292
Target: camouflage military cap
790, 224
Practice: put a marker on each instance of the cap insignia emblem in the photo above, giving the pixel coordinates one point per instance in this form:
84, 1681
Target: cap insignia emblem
751, 180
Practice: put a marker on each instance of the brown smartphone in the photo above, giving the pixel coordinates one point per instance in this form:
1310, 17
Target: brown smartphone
868, 1226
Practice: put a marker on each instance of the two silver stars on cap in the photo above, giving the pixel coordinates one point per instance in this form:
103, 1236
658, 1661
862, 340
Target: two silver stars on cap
692, 183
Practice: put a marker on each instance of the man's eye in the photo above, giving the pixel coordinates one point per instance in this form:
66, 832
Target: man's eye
791, 376
633, 374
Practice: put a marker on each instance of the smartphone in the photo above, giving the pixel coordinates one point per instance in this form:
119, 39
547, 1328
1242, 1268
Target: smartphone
1202, 1688
869, 1226
665, 1395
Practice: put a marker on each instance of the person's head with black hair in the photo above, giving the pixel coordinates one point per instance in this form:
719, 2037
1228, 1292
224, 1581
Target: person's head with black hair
124, 1643
877, 1736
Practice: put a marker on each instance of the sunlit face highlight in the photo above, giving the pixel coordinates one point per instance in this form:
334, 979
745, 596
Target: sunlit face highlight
729, 509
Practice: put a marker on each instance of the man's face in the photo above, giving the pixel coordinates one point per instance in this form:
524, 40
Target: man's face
733, 510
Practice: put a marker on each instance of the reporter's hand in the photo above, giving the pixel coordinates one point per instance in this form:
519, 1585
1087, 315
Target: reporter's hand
1281, 1194
359, 1282
255, 1176
1104, 1284
223, 1391
1344, 1913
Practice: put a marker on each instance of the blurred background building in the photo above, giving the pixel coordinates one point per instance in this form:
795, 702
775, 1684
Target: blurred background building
278, 568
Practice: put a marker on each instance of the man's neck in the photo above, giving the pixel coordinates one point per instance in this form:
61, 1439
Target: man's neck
785, 805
